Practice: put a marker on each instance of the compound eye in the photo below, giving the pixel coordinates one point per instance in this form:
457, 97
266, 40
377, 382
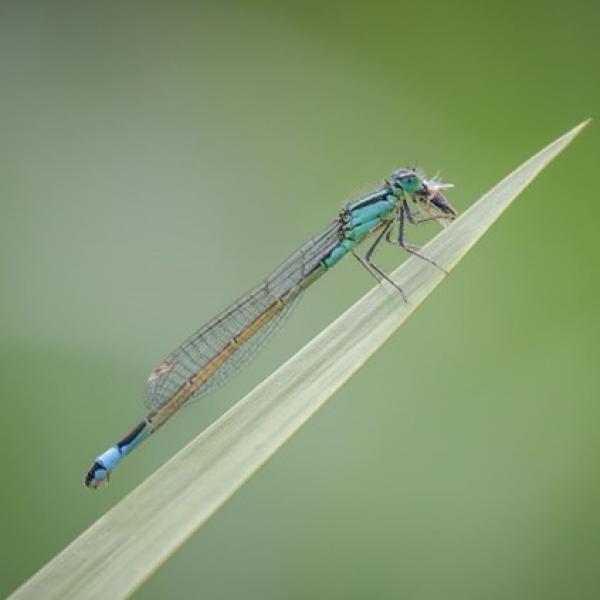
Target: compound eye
410, 183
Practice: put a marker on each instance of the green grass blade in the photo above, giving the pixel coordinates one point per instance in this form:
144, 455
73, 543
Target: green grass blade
123, 548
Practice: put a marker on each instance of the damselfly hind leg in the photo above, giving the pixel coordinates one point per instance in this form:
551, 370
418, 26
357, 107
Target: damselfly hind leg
372, 268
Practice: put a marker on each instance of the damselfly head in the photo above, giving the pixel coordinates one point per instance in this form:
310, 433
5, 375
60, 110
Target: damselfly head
427, 192
407, 181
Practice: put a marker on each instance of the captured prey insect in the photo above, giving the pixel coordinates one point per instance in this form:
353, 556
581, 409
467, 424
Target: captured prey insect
232, 338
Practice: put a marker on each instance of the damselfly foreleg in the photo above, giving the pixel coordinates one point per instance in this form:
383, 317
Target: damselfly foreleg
410, 248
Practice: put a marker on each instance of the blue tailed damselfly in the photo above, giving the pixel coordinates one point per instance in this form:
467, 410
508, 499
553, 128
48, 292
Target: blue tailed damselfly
233, 337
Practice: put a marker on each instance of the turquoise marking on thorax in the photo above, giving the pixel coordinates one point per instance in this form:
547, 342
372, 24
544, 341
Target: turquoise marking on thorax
360, 231
373, 211
379, 194
360, 222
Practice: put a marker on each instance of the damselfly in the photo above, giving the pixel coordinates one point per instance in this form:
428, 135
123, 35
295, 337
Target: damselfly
232, 338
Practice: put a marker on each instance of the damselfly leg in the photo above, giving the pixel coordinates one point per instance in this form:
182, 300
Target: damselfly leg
371, 267
400, 241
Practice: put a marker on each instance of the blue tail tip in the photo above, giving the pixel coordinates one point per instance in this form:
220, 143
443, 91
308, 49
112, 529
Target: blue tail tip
97, 476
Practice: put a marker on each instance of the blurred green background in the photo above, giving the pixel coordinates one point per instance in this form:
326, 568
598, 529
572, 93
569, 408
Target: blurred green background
157, 159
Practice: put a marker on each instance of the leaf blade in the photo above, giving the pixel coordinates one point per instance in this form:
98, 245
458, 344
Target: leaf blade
124, 547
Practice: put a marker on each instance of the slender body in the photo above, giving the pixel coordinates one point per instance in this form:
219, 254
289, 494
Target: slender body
231, 339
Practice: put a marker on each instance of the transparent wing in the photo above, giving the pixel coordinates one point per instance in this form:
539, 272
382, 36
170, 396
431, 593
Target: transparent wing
196, 352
